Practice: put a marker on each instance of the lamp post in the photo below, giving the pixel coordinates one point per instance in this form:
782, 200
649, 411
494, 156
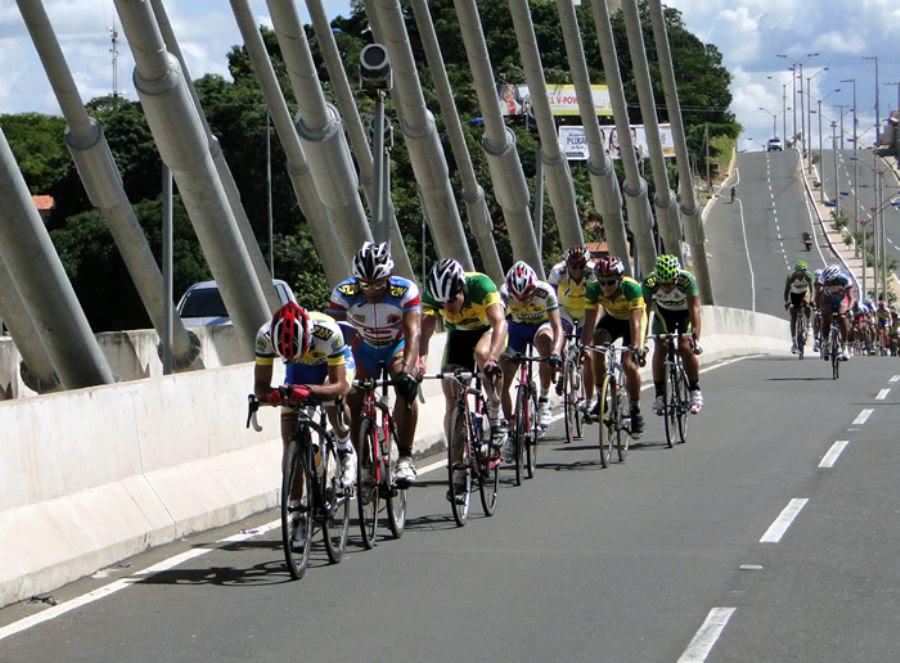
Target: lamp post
809, 112
852, 81
818, 111
774, 117
877, 114
784, 110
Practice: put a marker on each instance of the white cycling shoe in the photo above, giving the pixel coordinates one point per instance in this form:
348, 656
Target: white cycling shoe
348, 467
696, 401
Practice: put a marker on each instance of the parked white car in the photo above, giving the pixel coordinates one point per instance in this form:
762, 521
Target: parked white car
774, 145
202, 305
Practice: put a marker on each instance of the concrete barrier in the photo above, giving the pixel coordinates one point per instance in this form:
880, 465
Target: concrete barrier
92, 476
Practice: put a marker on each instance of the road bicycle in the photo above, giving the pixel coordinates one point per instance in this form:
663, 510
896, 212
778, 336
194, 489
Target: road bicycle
614, 411
800, 332
678, 395
572, 382
377, 488
834, 346
526, 414
470, 438
311, 465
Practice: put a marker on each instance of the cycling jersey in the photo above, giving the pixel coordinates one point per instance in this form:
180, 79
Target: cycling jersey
798, 286
381, 323
570, 293
837, 288
534, 310
677, 298
326, 345
480, 294
625, 299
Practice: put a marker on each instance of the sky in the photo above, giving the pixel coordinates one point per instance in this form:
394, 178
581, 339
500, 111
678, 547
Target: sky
751, 34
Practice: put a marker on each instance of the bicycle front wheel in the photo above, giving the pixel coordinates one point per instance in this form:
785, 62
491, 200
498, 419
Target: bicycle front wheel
335, 505
395, 498
671, 412
488, 464
606, 420
296, 545
459, 493
684, 405
532, 439
623, 408
367, 491
570, 408
520, 433
580, 399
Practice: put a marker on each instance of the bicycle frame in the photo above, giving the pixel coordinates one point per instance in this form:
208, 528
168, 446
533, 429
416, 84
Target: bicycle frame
527, 425
677, 399
614, 414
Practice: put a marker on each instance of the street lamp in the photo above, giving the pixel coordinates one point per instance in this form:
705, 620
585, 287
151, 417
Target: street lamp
784, 108
852, 81
794, 65
877, 114
809, 112
774, 116
818, 111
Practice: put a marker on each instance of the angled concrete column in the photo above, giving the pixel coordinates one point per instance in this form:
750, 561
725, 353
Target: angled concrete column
358, 136
321, 132
690, 211
183, 145
38, 275
604, 185
215, 149
559, 180
36, 369
499, 142
324, 232
100, 175
426, 153
473, 195
637, 204
663, 199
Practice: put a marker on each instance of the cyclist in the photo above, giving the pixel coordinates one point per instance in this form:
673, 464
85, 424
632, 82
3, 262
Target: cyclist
473, 313
533, 317
676, 302
883, 320
570, 279
797, 291
733, 193
835, 297
320, 366
624, 316
817, 317
386, 311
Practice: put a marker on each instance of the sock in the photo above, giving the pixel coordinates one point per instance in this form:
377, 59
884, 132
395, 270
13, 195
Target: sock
343, 444
544, 394
694, 386
660, 388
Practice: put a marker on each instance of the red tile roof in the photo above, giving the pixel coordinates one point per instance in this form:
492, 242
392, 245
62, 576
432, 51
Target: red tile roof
44, 203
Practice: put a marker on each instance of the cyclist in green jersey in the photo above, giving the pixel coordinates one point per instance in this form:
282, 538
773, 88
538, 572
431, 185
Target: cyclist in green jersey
675, 298
798, 289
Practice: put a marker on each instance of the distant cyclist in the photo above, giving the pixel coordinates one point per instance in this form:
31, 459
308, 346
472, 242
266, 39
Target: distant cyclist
675, 298
835, 297
386, 311
798, 290
570, 279
733, 193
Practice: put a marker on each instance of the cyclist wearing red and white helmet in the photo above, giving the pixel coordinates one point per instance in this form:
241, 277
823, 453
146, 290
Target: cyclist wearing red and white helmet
624, 316
532, 311
570, 279
320, 366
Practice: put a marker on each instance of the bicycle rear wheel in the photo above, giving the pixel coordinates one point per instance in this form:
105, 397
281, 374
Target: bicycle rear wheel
623, 408
605, 423
580, 400
395, 498
801, 337
296, 557
835, 352
570, 406
684, 405
335, 504
521, 431
367, 491
488, 464
459, 494
532, 439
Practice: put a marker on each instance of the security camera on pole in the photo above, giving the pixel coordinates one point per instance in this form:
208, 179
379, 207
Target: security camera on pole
375, 80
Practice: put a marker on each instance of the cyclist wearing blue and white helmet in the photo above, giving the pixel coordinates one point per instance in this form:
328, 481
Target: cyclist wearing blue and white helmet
835, 297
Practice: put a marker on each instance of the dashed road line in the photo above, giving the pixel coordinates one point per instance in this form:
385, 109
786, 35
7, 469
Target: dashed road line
882, 394
830, 458
895, 378
784, 520
706, 637
863, 416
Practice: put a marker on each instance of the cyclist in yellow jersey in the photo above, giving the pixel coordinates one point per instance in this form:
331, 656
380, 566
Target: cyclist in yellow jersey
624, 316
570, 279
473, 312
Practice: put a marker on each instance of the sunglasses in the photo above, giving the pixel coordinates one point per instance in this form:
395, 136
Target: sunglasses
606, 283
380, 284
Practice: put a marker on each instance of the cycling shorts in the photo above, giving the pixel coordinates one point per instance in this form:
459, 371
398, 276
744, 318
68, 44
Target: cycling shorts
571, 328
798, 299
615, 329
460, 348
838, 304
318, 373
369, 358
667, 322
520, 335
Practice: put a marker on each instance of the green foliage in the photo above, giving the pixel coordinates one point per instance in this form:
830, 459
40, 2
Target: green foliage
839, 220
36, 142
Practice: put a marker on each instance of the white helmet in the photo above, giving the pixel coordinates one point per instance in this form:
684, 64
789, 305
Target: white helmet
446, 280
830, 272
520, 280
373, 262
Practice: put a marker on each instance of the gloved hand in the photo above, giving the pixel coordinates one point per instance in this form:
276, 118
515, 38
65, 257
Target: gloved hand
696, 347
298, 394
491, 368
639, 356
407, 387
555, 361
274, 398
420, 368
786, 306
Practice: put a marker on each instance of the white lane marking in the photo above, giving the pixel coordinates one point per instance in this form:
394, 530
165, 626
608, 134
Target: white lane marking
751, 567
896, 378
707, 635
863, 416
783, 521
113, 587
749, 261
882, 394
830, 458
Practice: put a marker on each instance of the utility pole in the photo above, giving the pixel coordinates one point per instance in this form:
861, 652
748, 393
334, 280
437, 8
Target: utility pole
706, 140
877, 114
114, 37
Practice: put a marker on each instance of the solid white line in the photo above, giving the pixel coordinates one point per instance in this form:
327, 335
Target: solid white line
783, 521
830, 458
706, 637
863, 416
896, 378
882, 394
749, 261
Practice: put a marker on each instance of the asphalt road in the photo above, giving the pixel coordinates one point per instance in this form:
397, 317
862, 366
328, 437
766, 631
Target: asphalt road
580, 563
754, 241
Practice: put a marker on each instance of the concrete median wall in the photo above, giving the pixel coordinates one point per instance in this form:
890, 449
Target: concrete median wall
91, 476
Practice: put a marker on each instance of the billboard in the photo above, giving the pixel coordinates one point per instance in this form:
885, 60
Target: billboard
514, 99
573, 142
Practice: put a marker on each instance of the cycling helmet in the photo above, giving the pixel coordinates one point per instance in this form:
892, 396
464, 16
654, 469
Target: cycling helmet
291, 331
446, 280
373, 262
880, 303
609, 266
667, 268
520, 280
577, 256
800, 266
817, 274
830, 272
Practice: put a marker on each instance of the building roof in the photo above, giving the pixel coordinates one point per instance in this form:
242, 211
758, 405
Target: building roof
43, 203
